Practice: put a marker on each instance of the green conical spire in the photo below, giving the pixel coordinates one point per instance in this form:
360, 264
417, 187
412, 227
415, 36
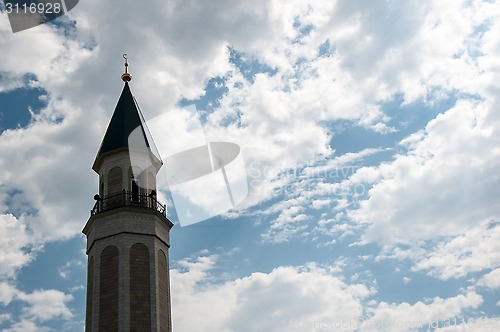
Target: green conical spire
126, 118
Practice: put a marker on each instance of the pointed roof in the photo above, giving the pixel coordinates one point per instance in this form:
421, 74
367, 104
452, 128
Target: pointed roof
125, 120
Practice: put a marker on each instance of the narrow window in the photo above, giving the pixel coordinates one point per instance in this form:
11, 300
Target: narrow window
114, 181
135, 190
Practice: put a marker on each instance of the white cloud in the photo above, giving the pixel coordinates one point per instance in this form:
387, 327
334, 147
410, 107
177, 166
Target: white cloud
474, 251
50, 171
302, 298
290, 221
19, 57
325, 88
26, 326
480, 324
7, 293
15, 239
90, 60
37, 308
44, 305
403, 60
4, 317
411, 47
176, 59
341, 166
285, 299
445, 185
320, 203
67, 269
405, 316
491, 280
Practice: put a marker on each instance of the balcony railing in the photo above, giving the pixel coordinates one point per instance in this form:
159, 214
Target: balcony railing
126, 198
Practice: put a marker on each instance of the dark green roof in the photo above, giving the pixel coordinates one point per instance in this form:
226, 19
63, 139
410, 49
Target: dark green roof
125, 119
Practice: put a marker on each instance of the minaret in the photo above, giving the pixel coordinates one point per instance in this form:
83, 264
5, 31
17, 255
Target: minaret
128, 283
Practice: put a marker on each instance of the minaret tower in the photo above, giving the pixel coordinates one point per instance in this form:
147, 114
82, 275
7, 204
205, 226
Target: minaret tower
128, 283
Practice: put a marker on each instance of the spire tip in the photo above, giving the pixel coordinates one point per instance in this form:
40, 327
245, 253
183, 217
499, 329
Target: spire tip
126, 77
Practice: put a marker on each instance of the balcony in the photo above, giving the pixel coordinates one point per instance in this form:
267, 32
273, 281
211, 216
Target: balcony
131, 199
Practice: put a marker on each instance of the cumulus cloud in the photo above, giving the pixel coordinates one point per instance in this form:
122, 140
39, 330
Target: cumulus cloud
445, 185
287, 298
66, 270
307, 90
286, 224
480, 324
37, 308
79, 66
491, 280
361, 67
49, 171
26, 326
7, 293
300, 298
403, 60
44, 305
14, 246
474, 251
405, 316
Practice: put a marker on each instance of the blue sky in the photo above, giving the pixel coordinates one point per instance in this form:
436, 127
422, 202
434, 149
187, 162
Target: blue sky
370, 141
